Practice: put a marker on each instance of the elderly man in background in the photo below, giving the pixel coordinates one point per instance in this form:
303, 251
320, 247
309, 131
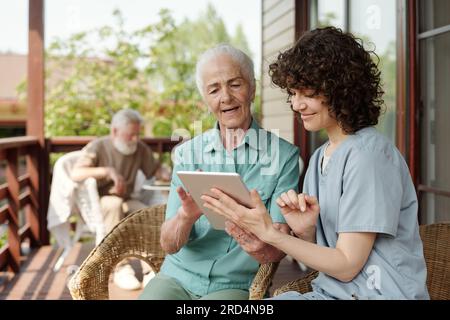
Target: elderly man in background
114, 161
202, 262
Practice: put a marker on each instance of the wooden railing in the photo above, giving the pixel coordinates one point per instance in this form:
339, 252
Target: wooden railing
20, 192
66, 144
21, 189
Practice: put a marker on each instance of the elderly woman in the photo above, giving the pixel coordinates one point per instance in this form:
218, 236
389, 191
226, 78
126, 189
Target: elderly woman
356, 220
202, 262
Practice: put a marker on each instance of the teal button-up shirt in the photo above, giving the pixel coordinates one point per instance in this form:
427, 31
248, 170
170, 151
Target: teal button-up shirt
212, 260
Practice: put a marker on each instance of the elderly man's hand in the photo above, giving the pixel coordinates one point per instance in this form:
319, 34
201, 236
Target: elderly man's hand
163, 173
120, 186
259, 250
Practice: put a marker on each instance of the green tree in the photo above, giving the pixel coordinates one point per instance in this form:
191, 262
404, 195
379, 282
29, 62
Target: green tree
86, 85
329, 19
92, 74
178, 103
388, 66
240, 40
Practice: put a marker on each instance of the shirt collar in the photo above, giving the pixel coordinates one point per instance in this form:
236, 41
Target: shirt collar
215, 141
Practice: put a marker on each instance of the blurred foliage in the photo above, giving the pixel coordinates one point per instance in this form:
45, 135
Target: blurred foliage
388, 68
8, 132
93, 74
3, 239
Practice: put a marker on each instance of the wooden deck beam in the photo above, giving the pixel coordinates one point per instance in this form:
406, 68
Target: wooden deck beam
38, 163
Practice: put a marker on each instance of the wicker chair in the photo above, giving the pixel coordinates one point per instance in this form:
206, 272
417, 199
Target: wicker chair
137, 236
436, 247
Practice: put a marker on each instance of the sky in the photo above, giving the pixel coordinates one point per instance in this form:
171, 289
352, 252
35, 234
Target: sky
64, 17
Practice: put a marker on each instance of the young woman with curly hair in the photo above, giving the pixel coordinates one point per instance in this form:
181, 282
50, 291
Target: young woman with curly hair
356, 220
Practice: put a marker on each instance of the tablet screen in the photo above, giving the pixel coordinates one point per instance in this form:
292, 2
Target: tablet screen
198, 183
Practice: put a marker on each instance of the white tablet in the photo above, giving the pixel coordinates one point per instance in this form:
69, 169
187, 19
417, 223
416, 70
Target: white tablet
198, 183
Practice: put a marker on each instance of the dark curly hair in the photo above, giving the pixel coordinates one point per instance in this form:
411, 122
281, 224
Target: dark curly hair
334, 64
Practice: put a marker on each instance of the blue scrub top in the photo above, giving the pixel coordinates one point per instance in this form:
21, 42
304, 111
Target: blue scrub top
367, 187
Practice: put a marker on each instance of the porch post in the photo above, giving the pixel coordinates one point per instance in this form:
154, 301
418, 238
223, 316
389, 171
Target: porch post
300, 134
38, 170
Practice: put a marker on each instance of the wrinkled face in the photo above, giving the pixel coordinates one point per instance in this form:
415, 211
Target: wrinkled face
227, 92
312, 109
125, 138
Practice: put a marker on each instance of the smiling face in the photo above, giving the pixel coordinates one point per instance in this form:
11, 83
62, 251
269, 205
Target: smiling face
227, 92
312, 109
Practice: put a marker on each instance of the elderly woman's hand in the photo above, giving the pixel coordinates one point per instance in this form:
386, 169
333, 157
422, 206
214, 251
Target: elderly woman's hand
189, 208
259, 250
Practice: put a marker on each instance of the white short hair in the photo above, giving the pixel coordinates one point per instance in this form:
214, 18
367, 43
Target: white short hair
237, 55
126, 116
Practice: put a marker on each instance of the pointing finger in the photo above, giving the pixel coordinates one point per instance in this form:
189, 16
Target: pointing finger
302, 202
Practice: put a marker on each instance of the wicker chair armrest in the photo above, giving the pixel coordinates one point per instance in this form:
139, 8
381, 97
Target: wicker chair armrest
436, 246
135, 236
302, 285
262, 280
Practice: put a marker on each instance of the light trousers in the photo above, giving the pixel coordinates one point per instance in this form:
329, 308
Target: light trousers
114, 209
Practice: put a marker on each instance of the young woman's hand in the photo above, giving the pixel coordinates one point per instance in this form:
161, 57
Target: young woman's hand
301, 212
255, 220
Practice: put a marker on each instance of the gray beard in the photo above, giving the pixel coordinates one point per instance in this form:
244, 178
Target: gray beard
124, 148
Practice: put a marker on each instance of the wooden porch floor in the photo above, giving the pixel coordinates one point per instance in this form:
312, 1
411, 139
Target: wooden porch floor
38, 281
